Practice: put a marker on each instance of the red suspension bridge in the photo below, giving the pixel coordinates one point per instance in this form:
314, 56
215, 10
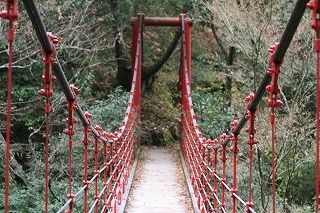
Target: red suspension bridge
205, 159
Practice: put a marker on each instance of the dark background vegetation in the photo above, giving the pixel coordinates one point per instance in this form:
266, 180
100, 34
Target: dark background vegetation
94, 49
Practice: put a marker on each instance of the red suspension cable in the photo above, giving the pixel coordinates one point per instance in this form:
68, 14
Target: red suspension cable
11, 14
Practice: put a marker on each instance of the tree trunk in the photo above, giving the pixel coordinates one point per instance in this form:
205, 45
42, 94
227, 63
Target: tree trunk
124, 68
15, 168
148, 72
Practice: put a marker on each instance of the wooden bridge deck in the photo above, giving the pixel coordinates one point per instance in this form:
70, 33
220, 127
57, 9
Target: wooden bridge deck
159, 183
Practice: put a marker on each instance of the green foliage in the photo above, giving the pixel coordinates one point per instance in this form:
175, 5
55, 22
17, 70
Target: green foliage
110, 112
31, 199
301, 186
213, 116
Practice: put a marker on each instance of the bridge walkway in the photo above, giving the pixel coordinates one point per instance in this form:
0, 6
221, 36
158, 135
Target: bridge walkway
159, 184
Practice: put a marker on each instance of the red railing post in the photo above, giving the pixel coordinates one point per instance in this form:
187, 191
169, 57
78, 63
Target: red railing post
47, 92
105, 164
251, 141
215, 171
70, 131
184, 92
187, 32
11, 14
135, 34
234, 149
138, 93
273, 102
115, 167
223, 180
315, 24
86, 182
201, 172
137, 41
96, 168
208, 177
111, 163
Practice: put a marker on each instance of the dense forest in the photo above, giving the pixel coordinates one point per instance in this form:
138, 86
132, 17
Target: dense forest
230, 42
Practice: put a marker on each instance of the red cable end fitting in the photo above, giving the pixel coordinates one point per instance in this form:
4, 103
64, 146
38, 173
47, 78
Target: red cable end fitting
269, 71
88, 115
250, 97
97, 197
86, 142
252, 141
14, 14
232, 192
311, 5
273, 48
223, 158
53, 39
42, 92
223, 136
234, 150
4, 14
73, 88
234, 124
71, 196
222, 206
269, 88
86, 183
97, 172
248, 206
98, 128
274, 103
